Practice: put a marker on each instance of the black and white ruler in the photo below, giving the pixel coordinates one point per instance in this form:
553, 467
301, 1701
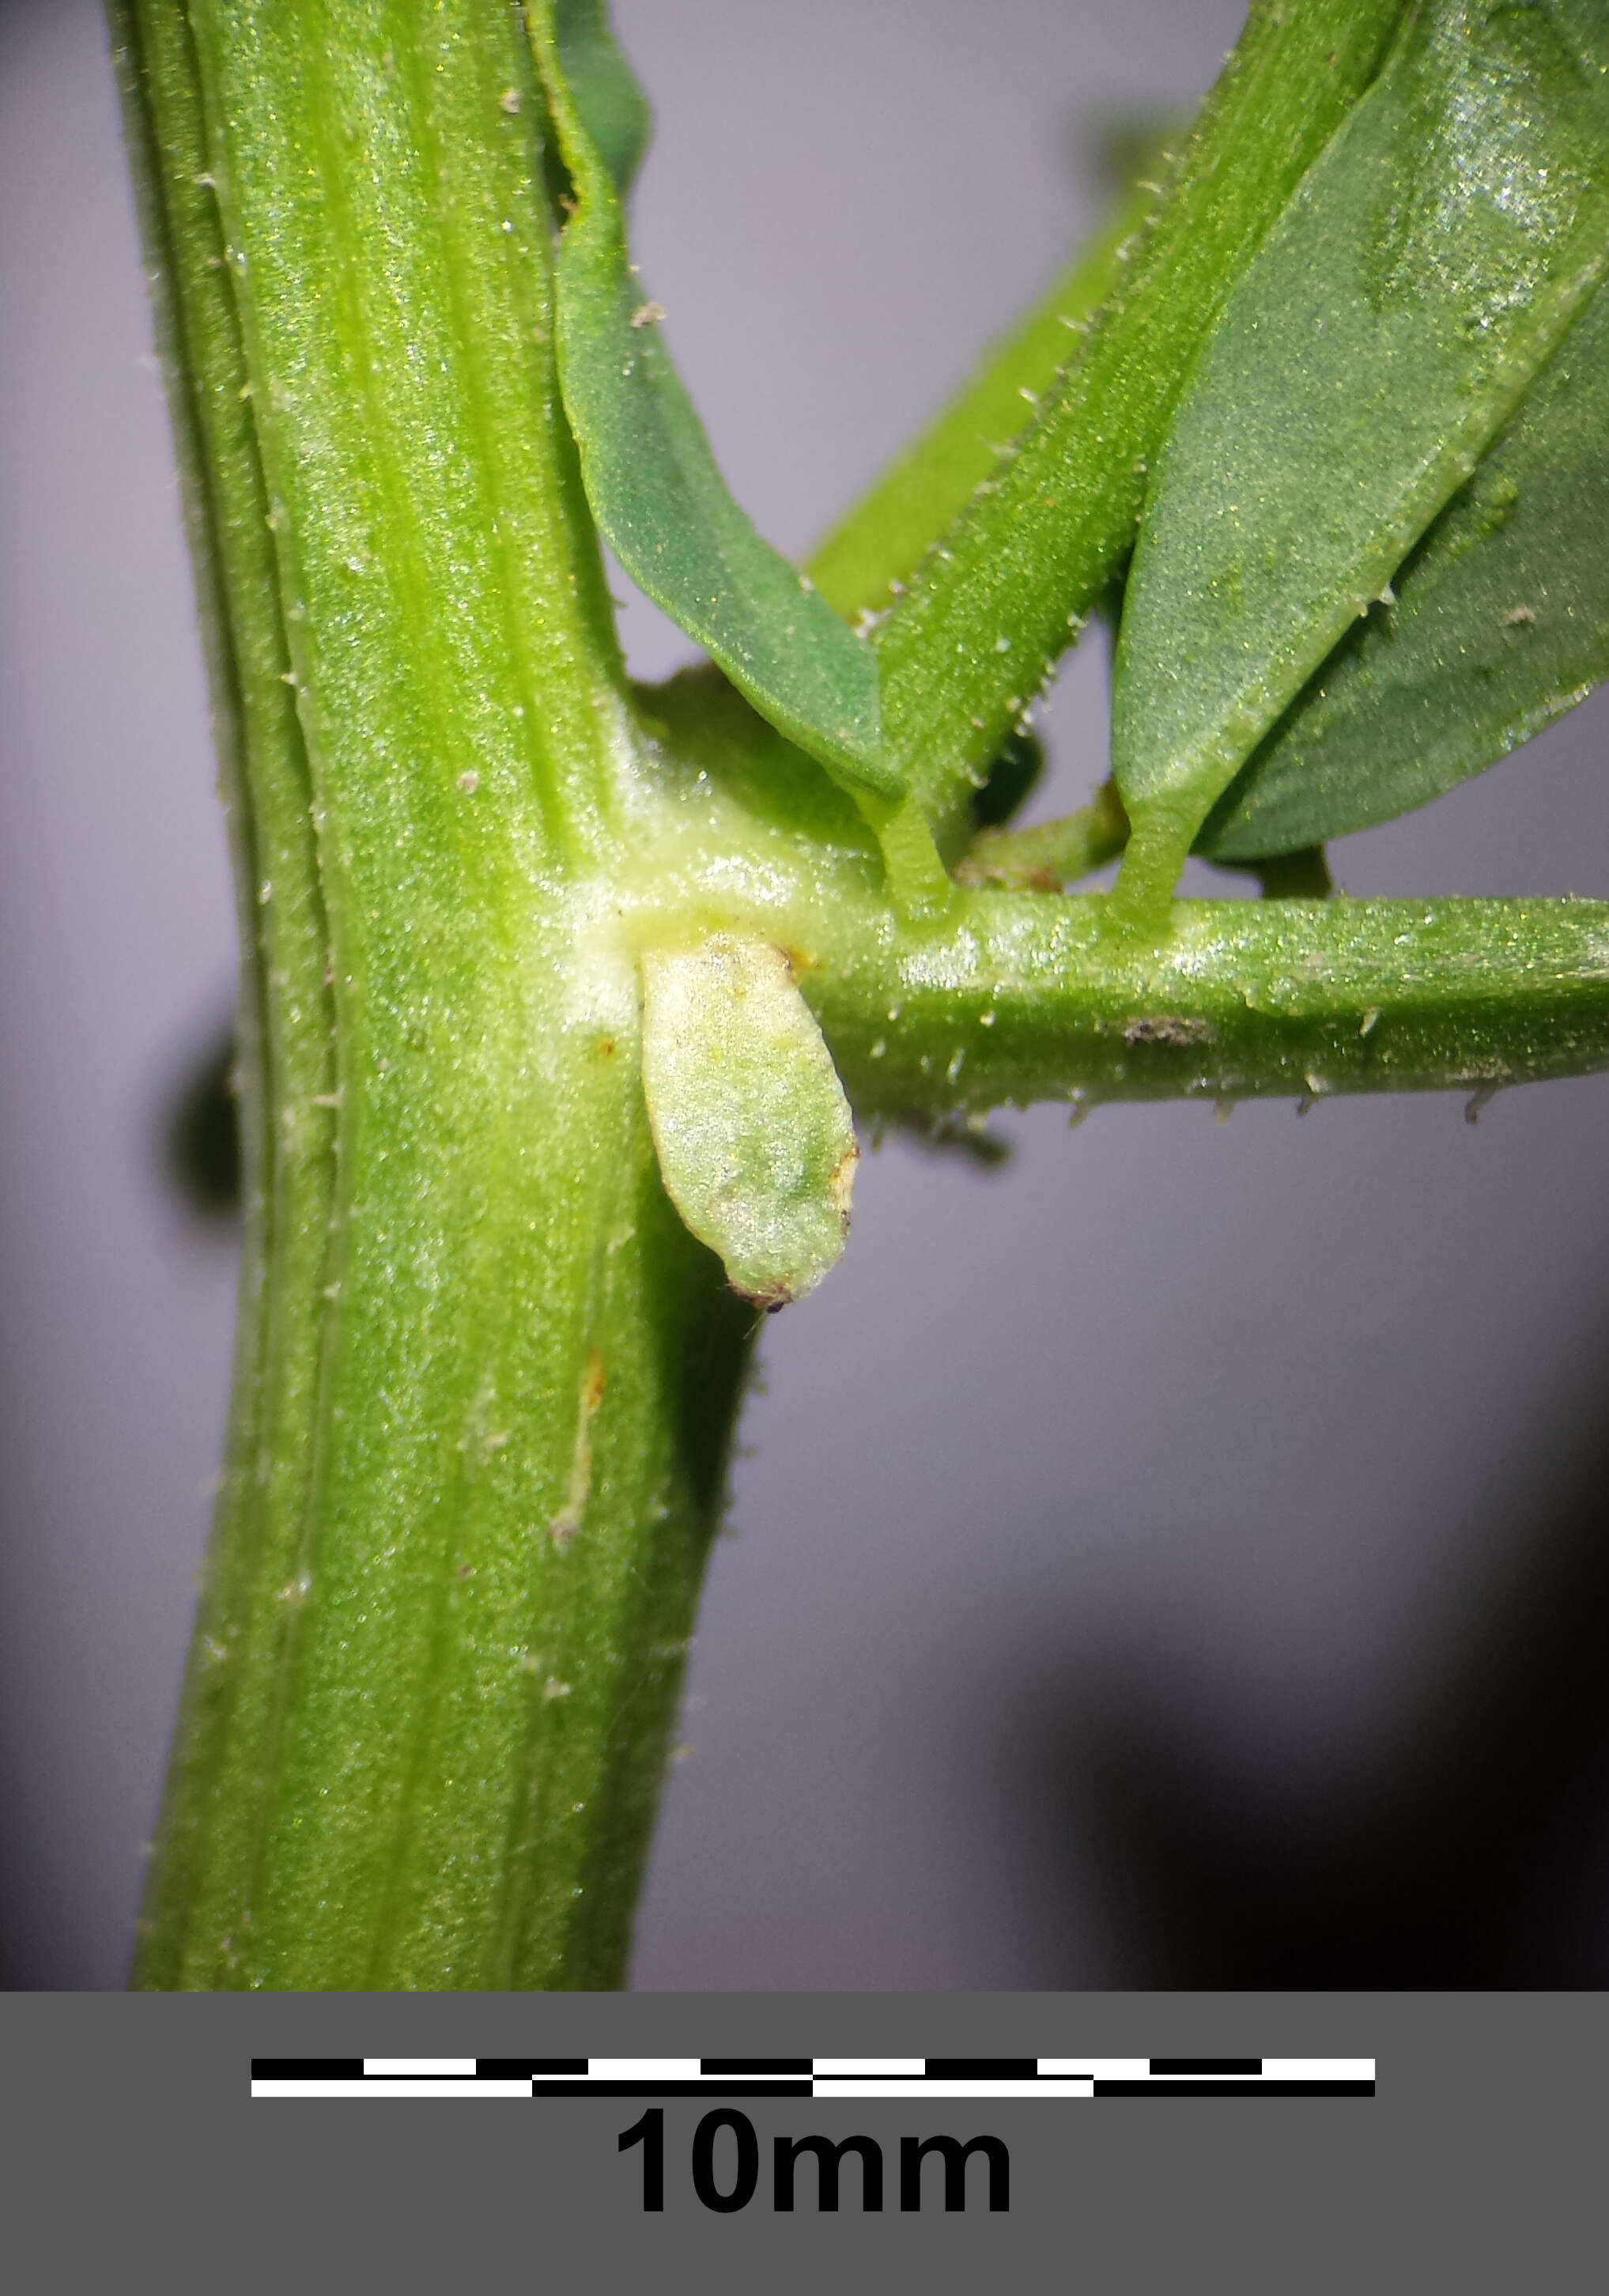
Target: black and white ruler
651, 2077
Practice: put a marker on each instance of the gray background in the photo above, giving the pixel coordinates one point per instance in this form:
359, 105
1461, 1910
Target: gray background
1172, 1562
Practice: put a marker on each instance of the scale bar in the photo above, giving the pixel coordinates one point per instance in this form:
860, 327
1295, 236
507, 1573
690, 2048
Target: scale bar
1044, 2079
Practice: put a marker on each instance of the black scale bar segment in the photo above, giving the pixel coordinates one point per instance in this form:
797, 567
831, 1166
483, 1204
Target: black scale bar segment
981, 2068
518, 2067
306, 2068
755, 2067
1234, 2088
1160, 2065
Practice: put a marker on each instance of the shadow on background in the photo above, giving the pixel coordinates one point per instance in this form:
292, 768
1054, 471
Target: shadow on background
1472, 1850
193, 1164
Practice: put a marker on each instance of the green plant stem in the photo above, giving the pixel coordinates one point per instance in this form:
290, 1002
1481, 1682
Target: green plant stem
480, 1429
1017, 997
1024, 997
1052, 853
285, 1066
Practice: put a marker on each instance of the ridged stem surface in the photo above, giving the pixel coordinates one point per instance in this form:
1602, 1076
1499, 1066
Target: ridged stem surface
486, 1378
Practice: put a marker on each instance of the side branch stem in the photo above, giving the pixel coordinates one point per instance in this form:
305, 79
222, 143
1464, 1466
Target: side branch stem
1023, 997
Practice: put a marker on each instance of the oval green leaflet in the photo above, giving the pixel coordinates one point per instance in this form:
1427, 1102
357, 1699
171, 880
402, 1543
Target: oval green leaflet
1497, 624
1425, 269
756, 1145
658, 499
606, 90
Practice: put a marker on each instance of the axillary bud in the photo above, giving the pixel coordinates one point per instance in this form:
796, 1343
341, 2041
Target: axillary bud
755, 1140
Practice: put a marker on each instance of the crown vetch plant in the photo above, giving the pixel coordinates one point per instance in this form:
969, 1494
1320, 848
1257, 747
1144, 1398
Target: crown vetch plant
557, 990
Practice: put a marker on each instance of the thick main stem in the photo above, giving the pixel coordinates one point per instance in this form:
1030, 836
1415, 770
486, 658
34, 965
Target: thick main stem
487, 1381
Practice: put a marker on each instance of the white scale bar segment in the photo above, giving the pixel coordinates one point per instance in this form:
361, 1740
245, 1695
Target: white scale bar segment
645, 2068
370, 2088
869, 2067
